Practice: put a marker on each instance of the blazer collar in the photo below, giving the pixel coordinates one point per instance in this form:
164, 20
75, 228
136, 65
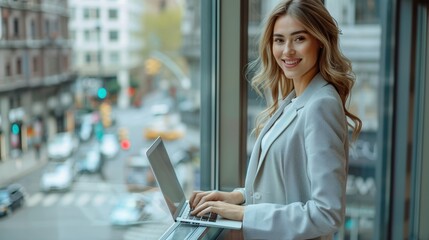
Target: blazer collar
317, 82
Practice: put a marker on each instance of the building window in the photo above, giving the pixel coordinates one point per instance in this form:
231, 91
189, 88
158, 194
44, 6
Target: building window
368, 12
88, 58
91, 13
18, 66
87, 35
35, 64
33, 29
16, 27
113, 14
113, 36
8, 69
114, 57
47, 28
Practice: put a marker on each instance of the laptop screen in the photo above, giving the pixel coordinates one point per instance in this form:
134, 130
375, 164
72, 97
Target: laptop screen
166, 177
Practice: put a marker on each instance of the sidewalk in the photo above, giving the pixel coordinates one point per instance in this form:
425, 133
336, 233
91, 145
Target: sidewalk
14, 168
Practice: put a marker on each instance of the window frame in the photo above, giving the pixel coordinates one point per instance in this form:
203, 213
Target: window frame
223, 117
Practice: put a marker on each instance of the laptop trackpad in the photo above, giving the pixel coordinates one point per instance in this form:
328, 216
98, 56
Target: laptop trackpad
185, 231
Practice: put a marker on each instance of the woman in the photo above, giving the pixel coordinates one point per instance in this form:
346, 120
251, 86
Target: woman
296, 180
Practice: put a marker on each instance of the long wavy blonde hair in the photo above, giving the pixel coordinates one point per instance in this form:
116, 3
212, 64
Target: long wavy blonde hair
333, 65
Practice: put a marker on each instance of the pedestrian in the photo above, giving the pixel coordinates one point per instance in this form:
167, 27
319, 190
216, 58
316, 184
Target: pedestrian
295, 186
37, 147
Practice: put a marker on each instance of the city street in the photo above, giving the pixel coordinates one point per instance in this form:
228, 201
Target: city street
83, 212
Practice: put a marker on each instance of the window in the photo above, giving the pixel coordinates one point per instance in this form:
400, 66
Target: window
361, 185
113, 14
114, 57
91, 13
8, 69
368, 12
16, 27
88, 58
35, 64
177, 74
18, 66
113, 36
33, 30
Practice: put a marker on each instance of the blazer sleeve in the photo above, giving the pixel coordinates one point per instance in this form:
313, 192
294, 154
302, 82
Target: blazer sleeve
325, 143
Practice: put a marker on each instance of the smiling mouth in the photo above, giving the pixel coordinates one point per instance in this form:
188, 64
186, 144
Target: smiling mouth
291, 63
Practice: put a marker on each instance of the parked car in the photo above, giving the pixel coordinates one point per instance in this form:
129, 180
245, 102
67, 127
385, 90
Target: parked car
91, 162
11, 198
168, 126
129, 210
58, 176
62, 145
85, 131
138, 174
109, 145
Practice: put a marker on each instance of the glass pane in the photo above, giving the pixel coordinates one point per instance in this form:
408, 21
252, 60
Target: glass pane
361, 44
77, 114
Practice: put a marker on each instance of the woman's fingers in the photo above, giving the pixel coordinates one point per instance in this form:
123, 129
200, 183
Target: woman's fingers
197, 199
226, 210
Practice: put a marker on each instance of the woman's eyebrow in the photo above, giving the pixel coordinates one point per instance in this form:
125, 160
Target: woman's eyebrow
298, 32
291, 34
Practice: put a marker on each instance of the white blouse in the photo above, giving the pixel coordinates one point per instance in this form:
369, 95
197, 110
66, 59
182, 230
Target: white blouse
286, 111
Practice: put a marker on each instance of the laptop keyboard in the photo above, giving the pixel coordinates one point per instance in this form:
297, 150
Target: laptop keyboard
208, 217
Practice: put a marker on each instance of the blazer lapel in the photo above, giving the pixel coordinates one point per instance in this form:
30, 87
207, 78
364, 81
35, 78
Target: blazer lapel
314, 85
283, 125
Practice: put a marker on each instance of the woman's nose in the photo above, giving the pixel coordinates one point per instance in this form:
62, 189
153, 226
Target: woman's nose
288, 49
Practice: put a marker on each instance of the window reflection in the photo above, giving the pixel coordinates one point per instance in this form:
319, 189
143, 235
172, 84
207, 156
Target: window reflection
360, 42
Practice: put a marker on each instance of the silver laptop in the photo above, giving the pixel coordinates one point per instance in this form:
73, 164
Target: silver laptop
173, 193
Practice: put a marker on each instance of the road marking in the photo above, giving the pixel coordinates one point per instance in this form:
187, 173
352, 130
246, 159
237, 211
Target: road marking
50, 200
34, 199
83, 199
67, 199
99, 200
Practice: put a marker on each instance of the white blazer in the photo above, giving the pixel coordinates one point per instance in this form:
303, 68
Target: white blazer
296, 188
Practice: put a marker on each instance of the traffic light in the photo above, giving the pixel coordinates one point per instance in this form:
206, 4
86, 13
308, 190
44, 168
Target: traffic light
152, 66
105, 114
15, 128
124, 139
102, 93
125, 144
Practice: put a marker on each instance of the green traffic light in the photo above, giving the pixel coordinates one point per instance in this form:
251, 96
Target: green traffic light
102, 93
15, 129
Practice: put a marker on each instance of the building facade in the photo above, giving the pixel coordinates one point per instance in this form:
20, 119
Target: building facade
106, 44
35, 74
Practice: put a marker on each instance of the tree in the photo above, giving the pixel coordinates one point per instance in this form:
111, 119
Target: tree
162, 30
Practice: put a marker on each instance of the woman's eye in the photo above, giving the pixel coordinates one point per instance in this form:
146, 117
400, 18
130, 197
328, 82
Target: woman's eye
300, 39
278, 40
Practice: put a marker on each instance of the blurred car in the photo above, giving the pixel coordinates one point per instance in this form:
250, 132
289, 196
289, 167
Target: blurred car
91, 162
85, 131
62, 145
138, 174
58, 176
129, 210
167, 126
109, 145
11, 198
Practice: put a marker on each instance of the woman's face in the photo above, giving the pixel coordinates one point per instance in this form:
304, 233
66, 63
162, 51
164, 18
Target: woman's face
295, 50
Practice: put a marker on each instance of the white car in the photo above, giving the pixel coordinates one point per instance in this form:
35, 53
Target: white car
129, 210
62, 145
58, 176
109, 145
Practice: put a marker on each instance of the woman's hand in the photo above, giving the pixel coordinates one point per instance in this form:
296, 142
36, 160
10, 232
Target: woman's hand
199, 198
226, 210
222, 203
